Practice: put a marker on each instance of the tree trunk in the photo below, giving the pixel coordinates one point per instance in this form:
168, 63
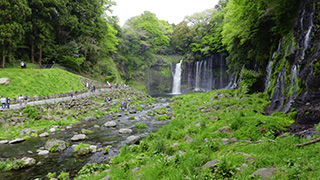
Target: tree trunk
40, 56
3, 61
32, 53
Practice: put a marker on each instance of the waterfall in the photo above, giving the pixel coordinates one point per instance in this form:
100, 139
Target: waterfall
177, 79
307, 38
293, 88
198, 71
267, 83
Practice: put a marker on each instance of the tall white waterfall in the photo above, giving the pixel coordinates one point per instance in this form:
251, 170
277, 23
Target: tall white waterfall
177, 79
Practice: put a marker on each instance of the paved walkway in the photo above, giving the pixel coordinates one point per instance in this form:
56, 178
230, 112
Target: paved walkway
55, 100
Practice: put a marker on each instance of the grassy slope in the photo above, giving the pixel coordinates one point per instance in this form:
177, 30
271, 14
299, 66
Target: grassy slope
211, 111
36, 82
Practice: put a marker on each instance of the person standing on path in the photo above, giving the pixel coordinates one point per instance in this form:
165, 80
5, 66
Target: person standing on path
8, 100
3, 102
20, 99
71, 93
26, 100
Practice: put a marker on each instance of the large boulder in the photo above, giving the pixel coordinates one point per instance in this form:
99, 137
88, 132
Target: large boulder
5, 81
55, 145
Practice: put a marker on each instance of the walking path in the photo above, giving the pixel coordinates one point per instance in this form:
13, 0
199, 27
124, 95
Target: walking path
55, 100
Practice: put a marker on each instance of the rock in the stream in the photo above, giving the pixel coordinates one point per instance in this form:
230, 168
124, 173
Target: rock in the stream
78, 137
45, 134
43, 152
110, 124
133, 139
125, 131
55, 145
88, 118
18, 140
4, 142
26, 161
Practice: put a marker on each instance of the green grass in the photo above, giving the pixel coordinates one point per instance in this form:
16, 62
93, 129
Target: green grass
199, 116
37, 82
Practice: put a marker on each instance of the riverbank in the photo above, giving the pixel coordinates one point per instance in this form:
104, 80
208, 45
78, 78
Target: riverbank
220, 134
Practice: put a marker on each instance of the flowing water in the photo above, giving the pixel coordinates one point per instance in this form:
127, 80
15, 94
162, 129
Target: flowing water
67, 160
177, 79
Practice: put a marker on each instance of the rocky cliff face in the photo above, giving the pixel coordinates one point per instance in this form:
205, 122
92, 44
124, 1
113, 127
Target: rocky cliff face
297, 80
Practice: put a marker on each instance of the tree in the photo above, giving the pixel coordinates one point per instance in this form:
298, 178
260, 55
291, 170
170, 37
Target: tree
12, 21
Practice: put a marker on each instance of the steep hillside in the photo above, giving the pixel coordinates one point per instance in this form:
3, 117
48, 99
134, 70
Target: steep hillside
36, 82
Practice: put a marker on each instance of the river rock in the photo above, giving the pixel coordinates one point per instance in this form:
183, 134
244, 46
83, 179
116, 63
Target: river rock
5, 81
26, 131
92, 118
93, 148
45, 134
133, 139
265, 173
60, 145
110, 124
18, 140
86, 131
96, 126
26, 161
43, 152
78, 137
4, 142
125, 131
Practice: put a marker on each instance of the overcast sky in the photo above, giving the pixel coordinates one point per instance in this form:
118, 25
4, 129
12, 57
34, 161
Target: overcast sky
172, 11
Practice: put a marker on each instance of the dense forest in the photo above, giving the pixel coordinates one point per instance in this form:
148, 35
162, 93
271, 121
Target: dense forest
81, 36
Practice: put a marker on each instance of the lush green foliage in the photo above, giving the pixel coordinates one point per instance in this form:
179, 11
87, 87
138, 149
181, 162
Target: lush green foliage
77, 35
250, 140
33, 82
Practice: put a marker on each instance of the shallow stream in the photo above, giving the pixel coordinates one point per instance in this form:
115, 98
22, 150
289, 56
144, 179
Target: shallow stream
67, 160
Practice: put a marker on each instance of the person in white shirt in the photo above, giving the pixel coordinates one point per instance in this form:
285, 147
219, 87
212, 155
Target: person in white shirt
3, 102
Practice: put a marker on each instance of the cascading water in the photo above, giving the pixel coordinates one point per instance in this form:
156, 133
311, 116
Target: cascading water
267, 83
293, 88
307, 39
177, 79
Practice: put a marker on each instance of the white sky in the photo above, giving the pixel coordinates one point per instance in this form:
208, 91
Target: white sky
172, 11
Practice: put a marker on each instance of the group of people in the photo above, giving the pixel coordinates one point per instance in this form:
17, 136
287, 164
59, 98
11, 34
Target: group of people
125, 104
23, 65
5, 102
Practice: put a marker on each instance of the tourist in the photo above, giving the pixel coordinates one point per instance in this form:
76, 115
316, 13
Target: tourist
94, 88
128, 101
22, 64
20, 99
3, 102
75, 93
8, 100
26, 99
71, 93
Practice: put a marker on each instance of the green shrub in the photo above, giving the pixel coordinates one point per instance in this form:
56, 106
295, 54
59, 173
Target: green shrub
248, 80
31, 111
141, 125
80, 146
